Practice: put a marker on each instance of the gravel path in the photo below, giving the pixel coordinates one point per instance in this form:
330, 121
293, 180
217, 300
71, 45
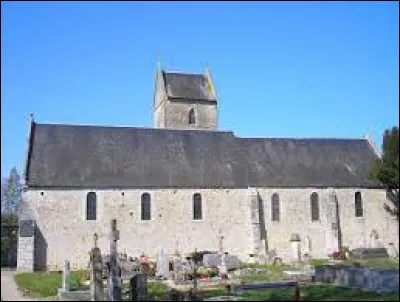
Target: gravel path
9, 291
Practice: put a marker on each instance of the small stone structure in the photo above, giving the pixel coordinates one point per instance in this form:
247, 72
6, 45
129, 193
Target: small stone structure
378, 280
296, 247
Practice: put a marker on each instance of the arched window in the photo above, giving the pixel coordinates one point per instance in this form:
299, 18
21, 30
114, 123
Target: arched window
192, 117
314, 206
275, 207
358, 204
197, 210
91, 206
145, 207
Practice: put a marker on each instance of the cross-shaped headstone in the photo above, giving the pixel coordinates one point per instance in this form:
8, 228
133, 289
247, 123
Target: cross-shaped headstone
221, 238
95, 239
114, 277
176, 247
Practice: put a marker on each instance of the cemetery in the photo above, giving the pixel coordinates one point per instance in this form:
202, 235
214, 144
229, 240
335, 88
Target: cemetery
220, 276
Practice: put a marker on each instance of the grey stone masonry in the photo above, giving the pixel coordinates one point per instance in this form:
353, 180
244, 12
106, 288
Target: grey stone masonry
26, 246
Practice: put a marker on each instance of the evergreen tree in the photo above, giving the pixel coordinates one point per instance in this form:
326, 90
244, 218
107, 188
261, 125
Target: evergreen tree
10, 197
386, 169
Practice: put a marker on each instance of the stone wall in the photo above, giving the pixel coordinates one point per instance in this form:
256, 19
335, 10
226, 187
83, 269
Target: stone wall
25, 254
177, 115
60, 217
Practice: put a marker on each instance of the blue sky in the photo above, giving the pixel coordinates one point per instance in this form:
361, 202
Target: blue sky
281, 69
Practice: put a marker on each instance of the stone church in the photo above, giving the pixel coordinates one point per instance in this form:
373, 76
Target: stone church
183, 183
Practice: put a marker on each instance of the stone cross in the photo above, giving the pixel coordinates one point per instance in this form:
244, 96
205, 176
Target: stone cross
176, 247
66, 277
96, 280
194, 271
114, 280
221, 249
95, 239
221, 238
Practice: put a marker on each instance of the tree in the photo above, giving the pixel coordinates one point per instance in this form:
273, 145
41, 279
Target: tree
386, 169
11, 188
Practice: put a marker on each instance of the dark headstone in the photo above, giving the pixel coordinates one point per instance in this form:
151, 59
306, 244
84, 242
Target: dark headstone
96, 280
139, 287
114, 279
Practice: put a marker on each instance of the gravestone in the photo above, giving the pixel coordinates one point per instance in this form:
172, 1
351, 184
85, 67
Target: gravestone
138, 288
222, 265
307, 245
296, 247
178, 269
96, 269
163, 264
231, 261
114, 279
369, 253
392, 251
66, 278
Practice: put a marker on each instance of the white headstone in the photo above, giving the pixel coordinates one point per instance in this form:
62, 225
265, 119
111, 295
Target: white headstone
66, 276
392, 251
163, 264
307, 245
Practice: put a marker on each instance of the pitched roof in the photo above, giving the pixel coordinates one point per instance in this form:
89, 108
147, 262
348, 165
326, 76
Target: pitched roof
100, 156
188, 86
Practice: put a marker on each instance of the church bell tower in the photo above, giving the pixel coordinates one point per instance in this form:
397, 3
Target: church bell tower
184, 101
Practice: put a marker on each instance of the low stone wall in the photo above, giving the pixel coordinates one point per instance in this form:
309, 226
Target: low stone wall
377, 280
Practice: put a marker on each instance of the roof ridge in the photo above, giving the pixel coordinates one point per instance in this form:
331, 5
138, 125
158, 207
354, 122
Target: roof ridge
182, 72
132, 127
302, 138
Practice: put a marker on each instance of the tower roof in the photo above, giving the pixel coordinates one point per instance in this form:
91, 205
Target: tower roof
188, 86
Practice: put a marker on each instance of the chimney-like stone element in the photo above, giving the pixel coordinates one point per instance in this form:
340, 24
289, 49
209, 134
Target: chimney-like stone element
255, 231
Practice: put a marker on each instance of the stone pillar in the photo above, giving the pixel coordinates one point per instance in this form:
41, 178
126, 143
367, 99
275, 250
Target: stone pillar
296, 247
332, 226
26, 246
96, 270
255, 232
114, 280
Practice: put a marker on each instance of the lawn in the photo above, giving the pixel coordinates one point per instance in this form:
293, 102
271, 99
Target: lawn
383, 263
316, 292
272, 272
45, 284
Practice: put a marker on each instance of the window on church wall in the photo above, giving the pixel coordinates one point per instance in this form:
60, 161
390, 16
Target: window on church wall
145, 207
358, 204
275, 215
314, 207
192, 117
91, 206
197, 207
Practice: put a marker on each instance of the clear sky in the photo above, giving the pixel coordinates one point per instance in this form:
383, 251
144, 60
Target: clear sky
281, 69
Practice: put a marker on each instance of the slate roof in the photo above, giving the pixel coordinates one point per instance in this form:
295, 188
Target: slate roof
100, 156
187, 86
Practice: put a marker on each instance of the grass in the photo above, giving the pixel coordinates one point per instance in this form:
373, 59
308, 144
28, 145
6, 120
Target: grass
272, 272
45, 284
318, 293
380, 263
157, 289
